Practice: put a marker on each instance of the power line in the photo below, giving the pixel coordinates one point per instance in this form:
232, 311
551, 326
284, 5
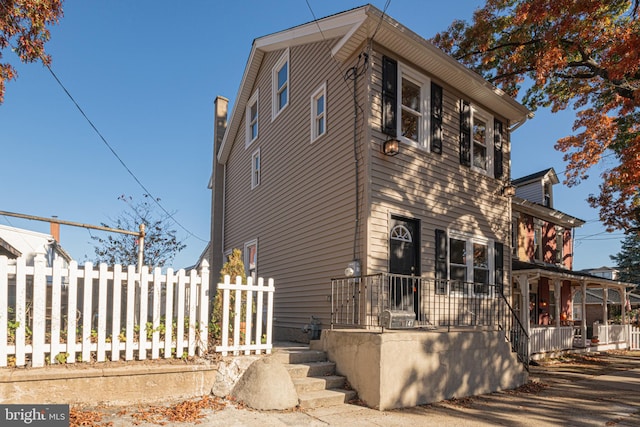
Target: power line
104, 140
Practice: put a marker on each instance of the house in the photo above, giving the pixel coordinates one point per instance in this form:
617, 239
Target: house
604, 271
20, 243
546, 289
357, 148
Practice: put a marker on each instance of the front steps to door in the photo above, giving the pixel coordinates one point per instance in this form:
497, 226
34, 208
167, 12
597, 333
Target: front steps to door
314, 377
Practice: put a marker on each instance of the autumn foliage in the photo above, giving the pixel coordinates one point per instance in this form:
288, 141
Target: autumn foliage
583, 54
23, 29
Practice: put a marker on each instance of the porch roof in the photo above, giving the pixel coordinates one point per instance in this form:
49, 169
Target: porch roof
553, 272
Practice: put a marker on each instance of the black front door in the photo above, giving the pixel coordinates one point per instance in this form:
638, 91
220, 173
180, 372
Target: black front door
404, 259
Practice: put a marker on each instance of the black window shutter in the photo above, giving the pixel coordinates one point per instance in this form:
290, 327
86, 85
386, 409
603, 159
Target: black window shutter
441, 261
497, 149
499, 266
436, 118
465, 133
389, 95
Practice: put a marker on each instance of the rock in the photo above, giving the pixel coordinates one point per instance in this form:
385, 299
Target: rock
229, 372
266, 385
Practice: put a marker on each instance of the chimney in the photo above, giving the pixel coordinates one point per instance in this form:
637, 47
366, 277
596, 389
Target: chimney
217, 187
54, 228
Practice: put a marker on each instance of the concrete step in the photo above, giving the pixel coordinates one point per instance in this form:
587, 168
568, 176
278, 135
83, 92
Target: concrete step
294, 356
311, 369
321, 398
318, 383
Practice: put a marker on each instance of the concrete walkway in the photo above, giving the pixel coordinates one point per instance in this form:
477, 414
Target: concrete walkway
589, 390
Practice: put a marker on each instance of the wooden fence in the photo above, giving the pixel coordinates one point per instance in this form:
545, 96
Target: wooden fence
248, 315
67, 315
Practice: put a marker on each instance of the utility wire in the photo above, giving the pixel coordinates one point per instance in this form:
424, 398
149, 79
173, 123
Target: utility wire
104, 140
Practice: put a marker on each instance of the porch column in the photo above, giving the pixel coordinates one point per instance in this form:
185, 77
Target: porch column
605, 315
523, 282
623, 310
583, 288
557, 284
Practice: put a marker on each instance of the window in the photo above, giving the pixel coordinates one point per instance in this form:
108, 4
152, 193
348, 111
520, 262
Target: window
474, 263
255, 169
251, 259
547, 199
537, 240
280, 83
515, 234
411, 106
479, 147
252, 119
559, 245
476, 138
319, 113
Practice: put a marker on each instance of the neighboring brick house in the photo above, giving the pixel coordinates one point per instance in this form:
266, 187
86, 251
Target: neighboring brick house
543, 276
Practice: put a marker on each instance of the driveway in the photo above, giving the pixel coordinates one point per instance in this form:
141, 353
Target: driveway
601, 389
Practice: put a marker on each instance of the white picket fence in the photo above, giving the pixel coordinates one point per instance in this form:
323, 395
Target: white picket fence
634, 337
67, 315
251, 315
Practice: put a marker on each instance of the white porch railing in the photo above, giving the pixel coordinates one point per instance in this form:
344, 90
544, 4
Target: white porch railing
546, 339
634, 337
250, 319
608, 334
68, 315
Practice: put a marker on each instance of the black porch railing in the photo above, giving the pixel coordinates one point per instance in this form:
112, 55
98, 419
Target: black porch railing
360, 302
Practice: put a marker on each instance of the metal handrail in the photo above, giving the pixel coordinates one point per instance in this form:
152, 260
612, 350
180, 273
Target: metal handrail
359, 302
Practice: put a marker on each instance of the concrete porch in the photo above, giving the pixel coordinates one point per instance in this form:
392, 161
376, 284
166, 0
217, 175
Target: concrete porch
406, 368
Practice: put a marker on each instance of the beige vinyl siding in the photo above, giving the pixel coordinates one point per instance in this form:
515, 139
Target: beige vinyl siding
303, 212
430, 187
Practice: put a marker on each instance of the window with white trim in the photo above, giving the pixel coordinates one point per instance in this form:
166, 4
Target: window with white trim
319, 112
255, 169
537, 240
252, 119
413, 104
471, 264
559, 245
251, 258
476, 139
280, 84
482, 141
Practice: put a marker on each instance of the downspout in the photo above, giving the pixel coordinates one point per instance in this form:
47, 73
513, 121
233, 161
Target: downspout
521, 122
355, 159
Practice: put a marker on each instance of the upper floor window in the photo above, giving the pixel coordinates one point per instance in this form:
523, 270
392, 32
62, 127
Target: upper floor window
319, 113
559, 245
411, 106
252, 119
255, 169
537, 240
280, 84
476, 138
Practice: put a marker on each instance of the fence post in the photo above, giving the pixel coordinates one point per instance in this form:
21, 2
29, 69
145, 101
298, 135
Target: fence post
39, 310
204, 308
4, 309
